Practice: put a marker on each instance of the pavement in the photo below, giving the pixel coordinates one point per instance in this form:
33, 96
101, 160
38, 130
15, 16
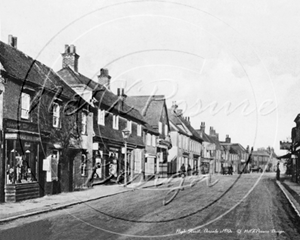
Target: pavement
291, 191
15, 210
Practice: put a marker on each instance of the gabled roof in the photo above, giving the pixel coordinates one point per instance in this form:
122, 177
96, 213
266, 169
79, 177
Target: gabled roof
150, 107
101, 94
215, 141
25, 69
235, 148
191, 129
265, 153
176, 122
204, 136
183, 125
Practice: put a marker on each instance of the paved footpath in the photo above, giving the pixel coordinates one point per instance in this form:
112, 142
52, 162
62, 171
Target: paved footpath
291, 191
14, 210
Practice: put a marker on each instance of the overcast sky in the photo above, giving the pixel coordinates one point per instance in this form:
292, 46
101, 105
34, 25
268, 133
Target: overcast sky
231, 64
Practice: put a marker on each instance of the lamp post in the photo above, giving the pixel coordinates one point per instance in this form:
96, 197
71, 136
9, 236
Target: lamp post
126, 134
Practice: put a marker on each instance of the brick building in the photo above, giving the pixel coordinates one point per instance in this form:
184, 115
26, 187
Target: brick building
39, 143
111, 116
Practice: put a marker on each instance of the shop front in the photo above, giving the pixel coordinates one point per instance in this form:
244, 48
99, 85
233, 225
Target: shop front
23, 161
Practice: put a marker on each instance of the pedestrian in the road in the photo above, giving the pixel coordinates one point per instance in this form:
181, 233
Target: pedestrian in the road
189, 170
182, 169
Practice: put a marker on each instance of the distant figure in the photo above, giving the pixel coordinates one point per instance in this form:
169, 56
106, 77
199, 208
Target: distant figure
222, 168
182, 169
189, 170
278, 172
230, 170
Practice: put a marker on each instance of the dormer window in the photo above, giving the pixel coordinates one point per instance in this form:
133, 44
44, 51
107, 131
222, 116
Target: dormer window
116, 122
25, 105
56, 115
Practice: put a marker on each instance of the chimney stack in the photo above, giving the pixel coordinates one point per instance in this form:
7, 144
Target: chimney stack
228, 139
211, 131
174, 106
70, 57
12, 41
202, 127
104, 78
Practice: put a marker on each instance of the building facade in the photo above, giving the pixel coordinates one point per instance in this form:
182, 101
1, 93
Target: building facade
185, 153
111, 117
36, 132
157, 140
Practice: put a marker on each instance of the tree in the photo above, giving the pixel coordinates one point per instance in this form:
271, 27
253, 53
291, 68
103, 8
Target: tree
63, 132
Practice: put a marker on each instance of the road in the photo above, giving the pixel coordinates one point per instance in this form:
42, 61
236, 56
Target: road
237, 207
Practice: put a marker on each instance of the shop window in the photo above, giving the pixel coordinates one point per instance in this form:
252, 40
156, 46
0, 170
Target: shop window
116, 122
101, 117
21, 161
25, 105
56, 115
84, 123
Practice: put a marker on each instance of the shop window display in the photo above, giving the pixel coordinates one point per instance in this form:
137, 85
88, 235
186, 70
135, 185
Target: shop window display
21, 161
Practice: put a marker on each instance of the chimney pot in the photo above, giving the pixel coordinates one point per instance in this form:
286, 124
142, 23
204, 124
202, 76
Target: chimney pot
118, 91
72, 49
67, 49
12, 41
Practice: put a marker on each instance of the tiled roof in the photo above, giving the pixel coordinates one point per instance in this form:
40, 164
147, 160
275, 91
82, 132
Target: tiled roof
104, 96
27, 70
176, 121
235, 148
204, 136
191, 129
150, 107
215, 141
105, 133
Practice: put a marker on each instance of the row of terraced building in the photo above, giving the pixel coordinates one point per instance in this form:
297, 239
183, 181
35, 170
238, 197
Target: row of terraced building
59, 131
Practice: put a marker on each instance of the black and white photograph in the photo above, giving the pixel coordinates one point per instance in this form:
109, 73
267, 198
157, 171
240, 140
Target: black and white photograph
149, 119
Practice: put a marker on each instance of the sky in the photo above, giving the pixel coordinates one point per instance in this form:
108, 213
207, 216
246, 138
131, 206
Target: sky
231, 64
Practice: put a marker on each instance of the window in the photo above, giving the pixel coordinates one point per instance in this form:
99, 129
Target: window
115, 122
148, 139
160, 127
101, 117
166, 130
25, 104
84, 123
139, 130
153, 140
129, 125
56, 115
